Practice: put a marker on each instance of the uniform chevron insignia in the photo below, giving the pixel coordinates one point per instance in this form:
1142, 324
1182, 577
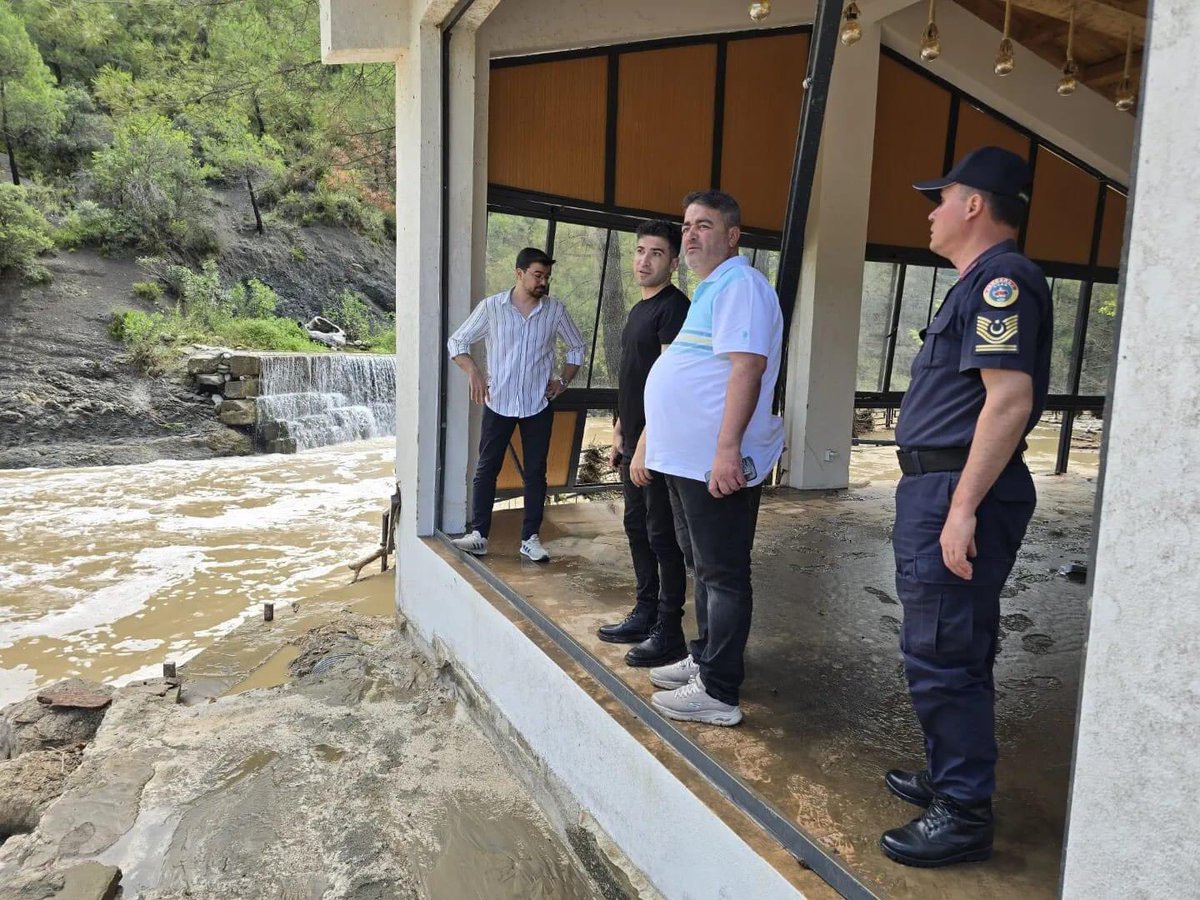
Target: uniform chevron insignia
996, 331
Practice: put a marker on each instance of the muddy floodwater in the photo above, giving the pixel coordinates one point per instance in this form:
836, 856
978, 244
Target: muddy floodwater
106, 573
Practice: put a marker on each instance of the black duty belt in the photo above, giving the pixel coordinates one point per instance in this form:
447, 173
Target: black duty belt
946, 459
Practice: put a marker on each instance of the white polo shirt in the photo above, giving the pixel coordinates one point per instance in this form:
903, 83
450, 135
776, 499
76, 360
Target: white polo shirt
734, 310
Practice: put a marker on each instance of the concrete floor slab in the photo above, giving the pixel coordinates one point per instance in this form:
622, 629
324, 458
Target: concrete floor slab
827, 710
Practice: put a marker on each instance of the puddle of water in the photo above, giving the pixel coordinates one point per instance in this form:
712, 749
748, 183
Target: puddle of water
272, 673
105, 573
498, 855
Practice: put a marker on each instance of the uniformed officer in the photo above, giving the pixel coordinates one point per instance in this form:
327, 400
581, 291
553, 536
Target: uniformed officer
978, 386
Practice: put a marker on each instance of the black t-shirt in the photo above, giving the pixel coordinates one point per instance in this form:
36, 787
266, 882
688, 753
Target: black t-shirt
651, 324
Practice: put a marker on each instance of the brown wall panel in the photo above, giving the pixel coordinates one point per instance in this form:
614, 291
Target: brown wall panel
665, 126
763, 95
977, 129
546, 127
558, 462
910, 145
1112, 232
1063, 211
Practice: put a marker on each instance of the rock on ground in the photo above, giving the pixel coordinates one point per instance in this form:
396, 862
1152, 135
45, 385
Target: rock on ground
361, 779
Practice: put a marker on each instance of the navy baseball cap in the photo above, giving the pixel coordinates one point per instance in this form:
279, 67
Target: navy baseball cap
992, 169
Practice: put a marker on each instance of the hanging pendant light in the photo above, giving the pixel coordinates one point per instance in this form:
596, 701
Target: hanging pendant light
931, 45
1004, 54
1125, 95
851, 30
760, 9
1070, 71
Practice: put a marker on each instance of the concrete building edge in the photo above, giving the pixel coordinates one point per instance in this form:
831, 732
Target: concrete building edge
581, 751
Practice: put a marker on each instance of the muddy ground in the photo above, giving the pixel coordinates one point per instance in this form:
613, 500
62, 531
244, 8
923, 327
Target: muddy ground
68, 397
363, 777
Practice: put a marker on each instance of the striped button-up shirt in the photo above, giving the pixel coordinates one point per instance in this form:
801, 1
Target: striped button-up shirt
520, 350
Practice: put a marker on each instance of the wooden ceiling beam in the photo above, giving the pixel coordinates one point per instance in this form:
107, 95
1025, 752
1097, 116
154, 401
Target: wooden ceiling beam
1101, 16
1111, 70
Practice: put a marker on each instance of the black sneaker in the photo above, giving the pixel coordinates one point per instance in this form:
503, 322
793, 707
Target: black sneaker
663, 646
633, 629
948, 832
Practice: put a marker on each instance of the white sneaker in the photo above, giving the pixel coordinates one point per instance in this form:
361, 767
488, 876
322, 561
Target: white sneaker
473, 543
676, 675
531, 548
691, 703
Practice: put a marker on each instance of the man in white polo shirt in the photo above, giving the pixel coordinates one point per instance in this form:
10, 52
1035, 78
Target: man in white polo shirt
710, 429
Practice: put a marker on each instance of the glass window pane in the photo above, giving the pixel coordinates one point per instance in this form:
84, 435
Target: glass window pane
579, 255
507, 236
1101, 340
619, 293
1064, 293
914, 315
879, 286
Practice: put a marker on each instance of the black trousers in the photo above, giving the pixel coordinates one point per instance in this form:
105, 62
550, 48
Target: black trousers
660, 560
497, 431
721, 532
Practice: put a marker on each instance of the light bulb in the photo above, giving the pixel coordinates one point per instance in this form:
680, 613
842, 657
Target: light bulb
1068, 82
851, 30
1004, 57
931, 47
1125, 96
760, 9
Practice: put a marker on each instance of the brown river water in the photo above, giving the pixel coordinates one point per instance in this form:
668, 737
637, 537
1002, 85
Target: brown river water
106, 573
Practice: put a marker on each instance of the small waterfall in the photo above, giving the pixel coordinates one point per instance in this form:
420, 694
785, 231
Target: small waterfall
323, 399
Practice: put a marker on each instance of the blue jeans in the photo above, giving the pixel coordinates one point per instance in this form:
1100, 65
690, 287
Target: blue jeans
721, 535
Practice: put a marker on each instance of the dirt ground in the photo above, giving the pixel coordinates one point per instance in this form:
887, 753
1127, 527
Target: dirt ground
362, 776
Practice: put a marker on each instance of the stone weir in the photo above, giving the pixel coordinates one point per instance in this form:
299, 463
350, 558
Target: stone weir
294, 401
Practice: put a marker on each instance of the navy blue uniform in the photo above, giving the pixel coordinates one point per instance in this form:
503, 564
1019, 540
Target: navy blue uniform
998, 316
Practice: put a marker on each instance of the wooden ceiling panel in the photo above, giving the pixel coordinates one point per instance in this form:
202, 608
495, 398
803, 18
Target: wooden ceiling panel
1062, 214
546, 127
977, 129
1112, 231
910, 145
763, 94
675, 88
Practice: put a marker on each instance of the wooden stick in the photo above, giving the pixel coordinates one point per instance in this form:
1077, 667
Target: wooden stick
357, 567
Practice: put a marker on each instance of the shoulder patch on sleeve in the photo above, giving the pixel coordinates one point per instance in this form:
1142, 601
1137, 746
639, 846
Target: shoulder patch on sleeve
1001, 293
997, 335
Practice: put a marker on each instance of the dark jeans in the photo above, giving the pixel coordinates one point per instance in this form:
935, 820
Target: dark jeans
493, 444
721, 533
951, 626
650, 526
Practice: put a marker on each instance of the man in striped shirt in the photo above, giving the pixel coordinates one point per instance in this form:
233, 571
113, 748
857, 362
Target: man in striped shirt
519, 328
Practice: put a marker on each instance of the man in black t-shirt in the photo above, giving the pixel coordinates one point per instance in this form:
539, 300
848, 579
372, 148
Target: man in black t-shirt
658, 562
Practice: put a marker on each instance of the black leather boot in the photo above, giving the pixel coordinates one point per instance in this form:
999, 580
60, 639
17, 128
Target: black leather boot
948, 832
913, 787
663, 646
633, 629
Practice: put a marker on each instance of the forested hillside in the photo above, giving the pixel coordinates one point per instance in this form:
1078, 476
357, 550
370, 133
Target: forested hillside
127, 125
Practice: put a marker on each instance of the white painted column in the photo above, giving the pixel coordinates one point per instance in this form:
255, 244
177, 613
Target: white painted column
1136, 786
418, 275
823, 344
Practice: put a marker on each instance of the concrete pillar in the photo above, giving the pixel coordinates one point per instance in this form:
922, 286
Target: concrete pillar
1136, 786
418, 273
823, 344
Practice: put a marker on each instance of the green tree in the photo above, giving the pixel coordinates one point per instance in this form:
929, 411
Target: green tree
23, 232
151, 177
241, 156
30, 106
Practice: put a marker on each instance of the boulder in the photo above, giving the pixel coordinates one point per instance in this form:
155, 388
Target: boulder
245, 365
238, 412
202, 365
30, 725
212, 381
29, 784
241, 390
